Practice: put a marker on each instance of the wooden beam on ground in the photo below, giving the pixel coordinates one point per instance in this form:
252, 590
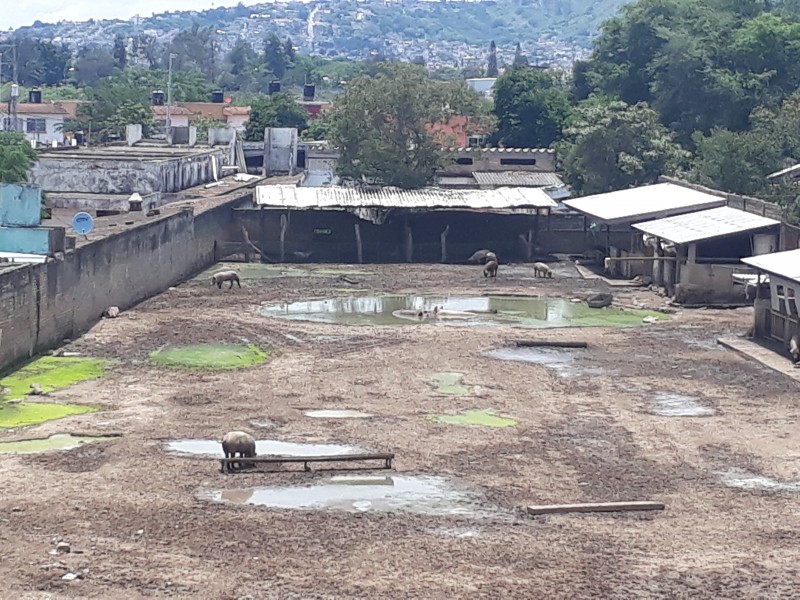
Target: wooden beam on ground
549, 344
549, 509
386, 457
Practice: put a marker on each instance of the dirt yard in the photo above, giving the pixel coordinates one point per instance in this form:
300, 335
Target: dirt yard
138, 526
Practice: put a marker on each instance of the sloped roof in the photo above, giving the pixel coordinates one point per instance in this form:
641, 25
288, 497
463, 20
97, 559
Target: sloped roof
161, 111
644, 203
289, 196
518, 178
705, 225
782, 264
43, 108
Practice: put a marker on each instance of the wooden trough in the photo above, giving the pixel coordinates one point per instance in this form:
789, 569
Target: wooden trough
386, 457
549, 509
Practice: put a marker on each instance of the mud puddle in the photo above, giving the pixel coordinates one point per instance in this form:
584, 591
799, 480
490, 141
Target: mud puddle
456, 311
475, 418
422, 495
263, 448
746, 480
668, 404
449, 383
337, 414
562, 361
59, 441
210, 357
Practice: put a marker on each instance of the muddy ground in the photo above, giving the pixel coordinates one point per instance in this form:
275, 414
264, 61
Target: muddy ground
132, 515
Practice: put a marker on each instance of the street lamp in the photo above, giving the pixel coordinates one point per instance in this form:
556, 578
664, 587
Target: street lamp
169, 98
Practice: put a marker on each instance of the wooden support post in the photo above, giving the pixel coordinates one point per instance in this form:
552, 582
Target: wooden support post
357, 227
409, 243
443, 238
549, 344
548, 509
284, 225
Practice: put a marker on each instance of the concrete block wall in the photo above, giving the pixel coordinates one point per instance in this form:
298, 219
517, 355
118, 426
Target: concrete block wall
42, 304
20, 205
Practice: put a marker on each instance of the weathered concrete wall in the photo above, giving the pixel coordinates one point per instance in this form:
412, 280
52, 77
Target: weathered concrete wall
467, 160
107, 176
42, 304
20, 205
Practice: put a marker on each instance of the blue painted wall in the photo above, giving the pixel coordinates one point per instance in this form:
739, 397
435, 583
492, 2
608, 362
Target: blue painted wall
20, 205
30, 240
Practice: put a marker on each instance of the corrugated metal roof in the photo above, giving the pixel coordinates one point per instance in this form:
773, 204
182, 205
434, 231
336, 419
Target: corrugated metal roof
289, 196
783, 264
517, 178
644, 203
704, 225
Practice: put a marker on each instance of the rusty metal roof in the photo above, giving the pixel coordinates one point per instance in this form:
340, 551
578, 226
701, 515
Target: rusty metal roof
289, 196
782, 264
644, 203
705, 225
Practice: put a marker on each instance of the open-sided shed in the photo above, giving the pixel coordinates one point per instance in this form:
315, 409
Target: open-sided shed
608, 218
697, 253
776, 316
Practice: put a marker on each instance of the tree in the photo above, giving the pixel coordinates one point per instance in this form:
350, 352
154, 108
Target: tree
16, 157
520, 60
120, 52
321, 128
115, 102
194, 49
92, 65
288, 50
491, 65
278, 110
274, 56
531, 106
611, 146
382, 125
40, 62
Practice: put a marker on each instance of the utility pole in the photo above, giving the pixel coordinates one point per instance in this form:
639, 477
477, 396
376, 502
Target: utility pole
169, 98
12, 100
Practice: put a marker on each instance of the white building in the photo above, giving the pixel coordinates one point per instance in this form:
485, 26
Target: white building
40, 122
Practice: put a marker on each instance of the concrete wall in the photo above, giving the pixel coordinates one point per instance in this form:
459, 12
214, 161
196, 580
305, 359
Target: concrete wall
280, 150
116, 176
498, 159
42, 304
20, 205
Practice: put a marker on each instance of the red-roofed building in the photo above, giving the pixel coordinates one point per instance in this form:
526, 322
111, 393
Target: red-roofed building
460, 132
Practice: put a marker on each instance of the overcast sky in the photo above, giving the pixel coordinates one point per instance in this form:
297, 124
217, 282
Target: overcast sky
27, 11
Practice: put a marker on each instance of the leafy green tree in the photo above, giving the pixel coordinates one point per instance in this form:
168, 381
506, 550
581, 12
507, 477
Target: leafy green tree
16, 157
40, 62
288, 50
115, 102
321, 128
612, 145
520, 60
278, 110
274, 56
382, 125
532, 107
491, 65
92, 65
195, 49
120, 52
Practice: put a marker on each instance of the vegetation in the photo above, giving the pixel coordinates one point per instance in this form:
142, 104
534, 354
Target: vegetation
381, 125
16, 157
278, 110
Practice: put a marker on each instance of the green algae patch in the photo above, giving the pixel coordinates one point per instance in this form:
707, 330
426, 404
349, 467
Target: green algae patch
477, 418
59, 441
21, 414
51, 373
612, 317
210, 357
449, 383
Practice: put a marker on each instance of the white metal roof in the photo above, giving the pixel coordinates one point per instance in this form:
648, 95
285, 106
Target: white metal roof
704, 225
644, 203
290, 196
782, 264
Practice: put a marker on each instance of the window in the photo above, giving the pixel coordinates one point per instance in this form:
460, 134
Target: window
35, 125
476, 141
518, 161
463, 161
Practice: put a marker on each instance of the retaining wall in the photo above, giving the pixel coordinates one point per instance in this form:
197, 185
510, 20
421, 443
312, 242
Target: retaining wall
42, 304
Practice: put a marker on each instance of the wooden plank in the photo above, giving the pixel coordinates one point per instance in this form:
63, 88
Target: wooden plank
549, 344
547, 509
306, 459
